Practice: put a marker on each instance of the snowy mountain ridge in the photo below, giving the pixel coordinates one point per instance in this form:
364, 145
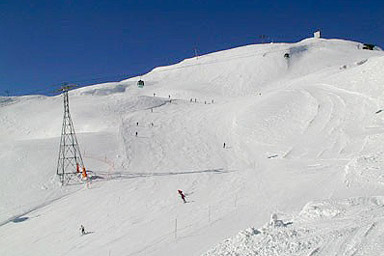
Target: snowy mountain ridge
302, 136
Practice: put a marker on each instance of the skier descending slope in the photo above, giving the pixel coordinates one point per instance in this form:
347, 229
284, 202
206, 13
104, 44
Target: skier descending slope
182, 195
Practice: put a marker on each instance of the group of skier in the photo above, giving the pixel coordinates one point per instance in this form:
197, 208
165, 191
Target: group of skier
195, 100
180, 192
137, 124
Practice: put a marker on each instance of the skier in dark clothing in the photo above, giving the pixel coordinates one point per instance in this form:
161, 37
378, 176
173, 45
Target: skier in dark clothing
182, 195
82, 229
224, 145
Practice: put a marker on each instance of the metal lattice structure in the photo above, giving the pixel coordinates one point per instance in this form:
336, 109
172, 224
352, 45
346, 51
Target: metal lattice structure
70, 162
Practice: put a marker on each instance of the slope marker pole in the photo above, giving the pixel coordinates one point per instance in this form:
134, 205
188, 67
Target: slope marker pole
209, 214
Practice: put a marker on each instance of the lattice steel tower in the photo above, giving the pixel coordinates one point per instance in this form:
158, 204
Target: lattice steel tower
70, 163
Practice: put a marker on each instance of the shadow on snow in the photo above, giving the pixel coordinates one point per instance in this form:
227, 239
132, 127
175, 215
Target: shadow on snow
132, 175
19, 219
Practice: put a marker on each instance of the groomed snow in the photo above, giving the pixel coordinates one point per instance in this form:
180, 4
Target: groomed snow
303, 140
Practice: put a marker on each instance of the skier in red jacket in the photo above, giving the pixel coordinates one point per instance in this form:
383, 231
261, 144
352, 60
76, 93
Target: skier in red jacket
182, 195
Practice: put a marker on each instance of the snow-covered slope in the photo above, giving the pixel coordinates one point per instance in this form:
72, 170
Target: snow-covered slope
302, 132
331, 227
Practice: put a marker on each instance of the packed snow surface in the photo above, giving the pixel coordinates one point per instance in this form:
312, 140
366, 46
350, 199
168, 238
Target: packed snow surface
303, 143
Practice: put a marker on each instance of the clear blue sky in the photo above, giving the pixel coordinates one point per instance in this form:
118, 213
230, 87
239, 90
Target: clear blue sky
45, 43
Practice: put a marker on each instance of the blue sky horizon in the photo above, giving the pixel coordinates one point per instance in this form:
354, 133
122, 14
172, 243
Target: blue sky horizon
46, 43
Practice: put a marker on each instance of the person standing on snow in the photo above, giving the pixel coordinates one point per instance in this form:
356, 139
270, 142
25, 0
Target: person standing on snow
182, 195
82, 229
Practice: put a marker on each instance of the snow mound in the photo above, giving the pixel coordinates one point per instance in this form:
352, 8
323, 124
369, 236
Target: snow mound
356, 224
104, 89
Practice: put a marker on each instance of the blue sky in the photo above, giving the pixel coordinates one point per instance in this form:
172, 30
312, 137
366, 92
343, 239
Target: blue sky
45, 43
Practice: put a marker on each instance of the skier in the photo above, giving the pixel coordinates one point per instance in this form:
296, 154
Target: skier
82, 229
136, 134
137, 123
275, 222
224, 145
182, 195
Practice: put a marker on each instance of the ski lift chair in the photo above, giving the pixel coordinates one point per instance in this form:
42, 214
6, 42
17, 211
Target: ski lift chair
140, 83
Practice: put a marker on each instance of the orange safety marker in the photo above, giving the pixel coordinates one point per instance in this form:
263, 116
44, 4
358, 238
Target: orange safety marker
84, 174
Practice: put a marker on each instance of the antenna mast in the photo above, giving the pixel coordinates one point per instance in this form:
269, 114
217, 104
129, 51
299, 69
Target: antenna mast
196, 54
70, 162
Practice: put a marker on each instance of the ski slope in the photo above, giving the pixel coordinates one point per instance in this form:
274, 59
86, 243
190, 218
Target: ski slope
303, 141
